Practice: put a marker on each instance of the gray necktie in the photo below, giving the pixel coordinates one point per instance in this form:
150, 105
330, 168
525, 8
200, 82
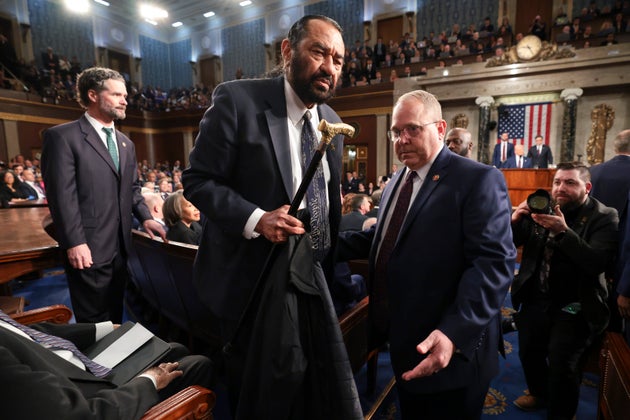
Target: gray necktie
315, 194
54, 342
111, 146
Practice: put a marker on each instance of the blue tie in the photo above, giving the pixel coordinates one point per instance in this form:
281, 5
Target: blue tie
111, 146
316, 193
53, 342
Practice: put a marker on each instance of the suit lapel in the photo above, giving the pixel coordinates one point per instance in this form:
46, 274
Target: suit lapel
276, 116
123, 156
93, 139
436, 174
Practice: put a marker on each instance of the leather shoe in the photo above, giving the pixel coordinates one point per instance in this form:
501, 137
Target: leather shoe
529, 403
508, 325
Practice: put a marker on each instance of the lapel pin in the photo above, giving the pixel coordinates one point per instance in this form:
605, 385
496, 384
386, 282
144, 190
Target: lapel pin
436, 177
124, 144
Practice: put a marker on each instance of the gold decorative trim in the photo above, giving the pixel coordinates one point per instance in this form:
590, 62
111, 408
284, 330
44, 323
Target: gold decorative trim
603, 117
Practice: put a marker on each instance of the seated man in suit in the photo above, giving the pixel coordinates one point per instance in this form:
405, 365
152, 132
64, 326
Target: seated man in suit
518, 160
353, 221
66, 389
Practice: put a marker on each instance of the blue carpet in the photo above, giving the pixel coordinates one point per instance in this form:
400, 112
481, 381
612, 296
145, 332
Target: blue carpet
506, 387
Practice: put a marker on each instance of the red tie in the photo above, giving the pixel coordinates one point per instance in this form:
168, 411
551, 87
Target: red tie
503, 151
378, 300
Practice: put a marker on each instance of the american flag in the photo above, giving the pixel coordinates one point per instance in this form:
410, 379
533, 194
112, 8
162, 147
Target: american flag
525, 122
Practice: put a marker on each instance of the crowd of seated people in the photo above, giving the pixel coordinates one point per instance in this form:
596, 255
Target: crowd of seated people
20, 179
483, 41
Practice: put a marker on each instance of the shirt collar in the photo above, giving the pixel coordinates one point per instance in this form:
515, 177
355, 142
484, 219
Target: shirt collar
96, 124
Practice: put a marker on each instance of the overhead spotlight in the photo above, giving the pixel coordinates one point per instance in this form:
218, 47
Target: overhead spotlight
208, 14
153, 13
245, 3
176, 24
152, 22
78, 6
102, 2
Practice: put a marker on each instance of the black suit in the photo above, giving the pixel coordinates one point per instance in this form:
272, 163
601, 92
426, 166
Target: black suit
241, 162
540, 160
92, 203
39, 384
352, 221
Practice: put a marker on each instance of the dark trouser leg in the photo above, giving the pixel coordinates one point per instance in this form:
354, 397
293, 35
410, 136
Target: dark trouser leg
198, 370
533, 337
234, 362
457, 404
97, 292
569, 339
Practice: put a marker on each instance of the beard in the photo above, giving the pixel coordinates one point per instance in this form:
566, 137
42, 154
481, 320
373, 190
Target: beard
304, 85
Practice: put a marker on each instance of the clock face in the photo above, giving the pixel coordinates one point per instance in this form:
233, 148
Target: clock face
529, 47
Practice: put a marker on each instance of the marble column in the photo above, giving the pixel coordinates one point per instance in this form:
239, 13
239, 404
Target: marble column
483, 141
567, 146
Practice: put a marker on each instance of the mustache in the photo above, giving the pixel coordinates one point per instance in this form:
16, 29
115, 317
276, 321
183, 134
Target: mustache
322, 75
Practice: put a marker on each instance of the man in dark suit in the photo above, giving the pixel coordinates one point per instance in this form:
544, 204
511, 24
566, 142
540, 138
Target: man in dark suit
503, 150
65, 390
611, 184
353, 221
560, 290
437, 286
518, 160
92, 190
540, 154
611, 179
622, 273
245, 169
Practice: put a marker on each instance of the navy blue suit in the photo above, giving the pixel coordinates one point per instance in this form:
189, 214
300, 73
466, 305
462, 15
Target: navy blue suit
540, 160
511, 163
611, 181
450, 269
496, 155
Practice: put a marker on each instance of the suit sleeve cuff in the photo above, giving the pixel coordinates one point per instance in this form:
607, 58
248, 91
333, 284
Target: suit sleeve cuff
254, 218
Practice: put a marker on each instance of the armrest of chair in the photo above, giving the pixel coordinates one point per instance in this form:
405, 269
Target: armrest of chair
193, 403
57, 314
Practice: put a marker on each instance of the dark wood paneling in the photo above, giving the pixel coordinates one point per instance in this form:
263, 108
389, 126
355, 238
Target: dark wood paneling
390, 29
30, 137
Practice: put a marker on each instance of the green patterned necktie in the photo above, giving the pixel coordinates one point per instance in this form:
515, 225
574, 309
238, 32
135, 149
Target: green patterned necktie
111, 146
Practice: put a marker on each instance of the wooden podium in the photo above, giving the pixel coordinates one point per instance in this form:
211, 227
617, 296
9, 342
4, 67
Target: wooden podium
523, 182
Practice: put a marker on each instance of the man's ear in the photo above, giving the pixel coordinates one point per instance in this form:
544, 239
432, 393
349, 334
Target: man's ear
285, 48
92, 95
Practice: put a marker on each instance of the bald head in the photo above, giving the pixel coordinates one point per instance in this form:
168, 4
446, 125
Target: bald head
622, 143
459, 141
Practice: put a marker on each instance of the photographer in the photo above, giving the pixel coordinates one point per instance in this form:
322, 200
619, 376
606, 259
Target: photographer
569, 239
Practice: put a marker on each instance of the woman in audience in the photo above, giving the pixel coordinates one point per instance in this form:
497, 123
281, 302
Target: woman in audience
9, 191
182, 219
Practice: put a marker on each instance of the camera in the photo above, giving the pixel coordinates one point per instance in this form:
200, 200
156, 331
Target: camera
539, 202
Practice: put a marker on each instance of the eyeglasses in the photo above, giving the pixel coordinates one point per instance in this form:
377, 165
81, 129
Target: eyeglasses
411, 131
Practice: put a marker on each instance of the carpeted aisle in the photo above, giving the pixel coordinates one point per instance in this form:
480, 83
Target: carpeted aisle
507, 386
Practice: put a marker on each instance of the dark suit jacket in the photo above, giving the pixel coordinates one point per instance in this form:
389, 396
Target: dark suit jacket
90, 202
62, 390
622, 276
182, 233
611, 182
541, 160
241, 161
450, 269
352, 221
511, 163
496, 155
